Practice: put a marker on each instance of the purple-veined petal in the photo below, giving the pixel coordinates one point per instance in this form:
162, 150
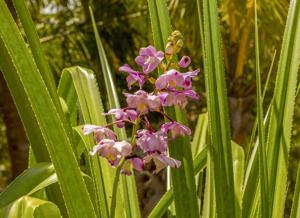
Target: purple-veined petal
161, 161
137, 163
152, 141
123, 147
149, 59
176, 129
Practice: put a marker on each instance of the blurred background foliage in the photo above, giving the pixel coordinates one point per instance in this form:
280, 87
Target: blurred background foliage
65, 30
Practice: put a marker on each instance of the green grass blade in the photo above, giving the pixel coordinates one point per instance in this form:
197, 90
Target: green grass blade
221, 154
253, 132
209, 204
162, 206
57, 141
282, 109
28, 207
23, 105
184, 189
238, 157
251, 191
199, 138
30, 181
36, 48
79, 84
263, 173
128, 187
29, 120
295, 212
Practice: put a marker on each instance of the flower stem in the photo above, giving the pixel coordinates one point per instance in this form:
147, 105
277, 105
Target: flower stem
119, 121
167, 116
135, 128
115, 188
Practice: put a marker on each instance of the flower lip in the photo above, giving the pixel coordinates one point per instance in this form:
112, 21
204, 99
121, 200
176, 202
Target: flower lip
173, 79
133, 77
100, 132
161, 161
176, 129
150, 141
112, 150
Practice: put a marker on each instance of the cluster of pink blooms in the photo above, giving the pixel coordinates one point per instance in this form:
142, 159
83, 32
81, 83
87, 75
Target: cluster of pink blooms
147, 144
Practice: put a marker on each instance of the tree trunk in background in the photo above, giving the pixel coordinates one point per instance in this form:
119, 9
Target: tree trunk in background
16, 137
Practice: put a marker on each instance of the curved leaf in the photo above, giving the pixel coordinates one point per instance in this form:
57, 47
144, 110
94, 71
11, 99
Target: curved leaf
57, 140
29, 207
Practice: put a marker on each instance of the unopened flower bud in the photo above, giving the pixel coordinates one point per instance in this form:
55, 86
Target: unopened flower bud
169, 48
178, 46
176, 35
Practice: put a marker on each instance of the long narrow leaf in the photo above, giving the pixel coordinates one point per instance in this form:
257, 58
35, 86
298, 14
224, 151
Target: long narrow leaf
166, 200
31, 180
282, 109
57, 141
28, 207
263, 174
183, 180
78, 84
128, 187
221, 154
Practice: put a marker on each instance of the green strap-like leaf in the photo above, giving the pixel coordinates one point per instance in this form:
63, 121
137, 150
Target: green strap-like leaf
219, 129
282, 108
295, 212
30, 181
78, 84
57, 141
128, 187
263, 173
162, 206
183, 180
36, 48
29, 207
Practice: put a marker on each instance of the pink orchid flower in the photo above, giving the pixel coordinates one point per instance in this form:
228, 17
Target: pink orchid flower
136, 163
123, 114
161, 161
149, 58
176, 129
99, 132
176, 97
143, 101
133, 77
152, 141
111, 150
181, 96
187, 78
173, 79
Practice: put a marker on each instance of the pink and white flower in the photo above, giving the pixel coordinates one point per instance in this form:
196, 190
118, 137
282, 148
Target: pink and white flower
176, 129
150, 141
181, 96
112, 150
136, 163
149, 58
133, 77
176, 97
122, 115
173, 79
143, 101
161, 161
100, 132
